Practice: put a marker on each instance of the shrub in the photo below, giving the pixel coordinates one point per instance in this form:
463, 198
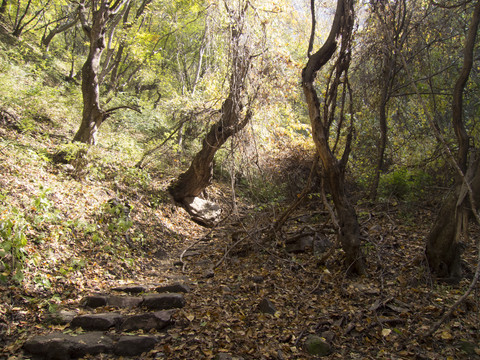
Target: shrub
404, 184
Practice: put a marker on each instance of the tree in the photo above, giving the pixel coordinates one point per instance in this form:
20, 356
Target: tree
392, 34
233, 117
23, 16
102, 15
443, 248
321, 118
66, 22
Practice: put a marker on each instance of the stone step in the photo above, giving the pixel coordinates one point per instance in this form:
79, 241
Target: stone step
163, 301
61, 346
130, 289
173, 288
100, 322
104, 321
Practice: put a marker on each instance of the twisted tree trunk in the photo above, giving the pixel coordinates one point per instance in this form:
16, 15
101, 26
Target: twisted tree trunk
93, 115
443, 248
349, 230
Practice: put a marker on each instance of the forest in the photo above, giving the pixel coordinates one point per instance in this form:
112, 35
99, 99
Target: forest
239, 179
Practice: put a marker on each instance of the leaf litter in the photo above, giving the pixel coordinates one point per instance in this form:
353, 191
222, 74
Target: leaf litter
380, 316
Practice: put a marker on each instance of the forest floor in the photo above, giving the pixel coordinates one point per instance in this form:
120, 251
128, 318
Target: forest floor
75, 247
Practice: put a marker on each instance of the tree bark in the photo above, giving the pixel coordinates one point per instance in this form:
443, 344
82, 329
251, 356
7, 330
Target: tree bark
443, 249
93, 115
349, 230
199, 175
59, 28
443, 242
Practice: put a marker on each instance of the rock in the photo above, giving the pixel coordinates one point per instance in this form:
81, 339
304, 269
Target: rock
148, 321
124, 301
202, 210
266, 307
321, 244
315, 345
59, 346
299, 245
163, 301
134, 345
94, 301
62, 317
174, 288
257, 279
223, 356
131, 289
328, 336
98, 322
209, 273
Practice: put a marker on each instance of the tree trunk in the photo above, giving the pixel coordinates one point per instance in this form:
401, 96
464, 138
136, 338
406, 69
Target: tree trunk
93, 115
46, 40
199, 175
191, 183
443, 249
3, 7
349, 230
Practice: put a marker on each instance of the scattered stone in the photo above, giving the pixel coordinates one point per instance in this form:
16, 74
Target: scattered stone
160, 254
321, 244
174, 288
315, 345
148, 321
61, 317
225, 289
134, 345
163, 301
99, 322
59, 346
209, 274
203, 211
258, 279
124, 301
266, 307
299, 245
328, 336
223, 356
131, 289
94, 301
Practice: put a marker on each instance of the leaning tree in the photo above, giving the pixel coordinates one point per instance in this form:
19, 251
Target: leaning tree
336, 106
235, 112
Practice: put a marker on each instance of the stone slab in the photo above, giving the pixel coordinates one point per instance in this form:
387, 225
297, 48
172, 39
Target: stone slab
131, 289
173, 288
163, 301
59, 346
148, 321
100, 322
